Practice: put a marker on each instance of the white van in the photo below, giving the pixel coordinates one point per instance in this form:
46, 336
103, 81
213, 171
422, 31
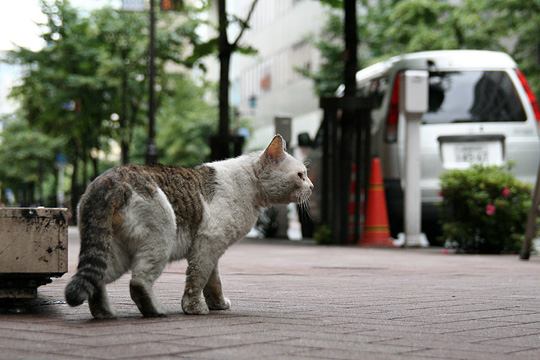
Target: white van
481, 110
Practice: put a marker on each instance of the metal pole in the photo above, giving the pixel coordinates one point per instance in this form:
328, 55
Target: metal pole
351, 46
530, 229
60, 198
151, 150
346, 124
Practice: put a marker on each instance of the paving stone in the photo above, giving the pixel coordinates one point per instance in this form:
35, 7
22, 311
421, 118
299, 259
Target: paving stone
130, 351
36, 346
27, 354
461, 354
523, 340
248, 352
301, 302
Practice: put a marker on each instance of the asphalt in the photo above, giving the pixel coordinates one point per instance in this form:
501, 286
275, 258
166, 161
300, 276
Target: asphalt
302, 301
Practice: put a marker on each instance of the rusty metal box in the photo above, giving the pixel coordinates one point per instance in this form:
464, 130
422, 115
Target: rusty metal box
33, 248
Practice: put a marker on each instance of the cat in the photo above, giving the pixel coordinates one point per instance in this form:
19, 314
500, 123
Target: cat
139, 218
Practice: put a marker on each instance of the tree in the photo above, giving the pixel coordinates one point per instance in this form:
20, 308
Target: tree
516, 24
59, 92
184, 121
30, 155
225, 48
124, 38
87, 85
392, 27
123, 65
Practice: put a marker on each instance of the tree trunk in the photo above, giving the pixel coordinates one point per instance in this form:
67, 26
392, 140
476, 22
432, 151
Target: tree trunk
95, 167
84, 181
351, 46
32, 193
74, 189
124, 144
41, 197
221, 142
224, 114
347, 142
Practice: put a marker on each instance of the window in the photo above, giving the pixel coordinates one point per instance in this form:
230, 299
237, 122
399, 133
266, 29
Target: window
472, 96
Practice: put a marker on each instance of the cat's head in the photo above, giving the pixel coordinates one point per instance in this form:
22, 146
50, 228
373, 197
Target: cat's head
282, 178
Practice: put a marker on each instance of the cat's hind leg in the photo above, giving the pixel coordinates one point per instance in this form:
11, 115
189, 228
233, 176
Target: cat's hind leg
147, 268
99, 304
117, 265
213, 293
151, 229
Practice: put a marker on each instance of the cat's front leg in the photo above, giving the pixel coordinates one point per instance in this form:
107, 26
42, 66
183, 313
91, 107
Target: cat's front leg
213, 293
201, 262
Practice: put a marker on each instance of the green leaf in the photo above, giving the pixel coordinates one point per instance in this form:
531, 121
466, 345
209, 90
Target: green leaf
246, 50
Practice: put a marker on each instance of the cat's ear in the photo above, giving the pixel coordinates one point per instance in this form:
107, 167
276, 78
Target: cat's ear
275, 152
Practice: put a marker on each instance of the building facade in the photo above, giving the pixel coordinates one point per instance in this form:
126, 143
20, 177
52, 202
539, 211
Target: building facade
269, 84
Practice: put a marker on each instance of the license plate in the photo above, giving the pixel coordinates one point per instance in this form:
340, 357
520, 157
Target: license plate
462, 155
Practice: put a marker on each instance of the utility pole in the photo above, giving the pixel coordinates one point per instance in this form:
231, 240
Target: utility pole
348, 120
151, 150
351, 46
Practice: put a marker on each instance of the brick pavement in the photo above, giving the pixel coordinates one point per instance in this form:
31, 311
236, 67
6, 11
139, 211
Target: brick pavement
298, 301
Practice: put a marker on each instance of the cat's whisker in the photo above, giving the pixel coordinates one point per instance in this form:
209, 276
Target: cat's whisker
308, 213
304, 206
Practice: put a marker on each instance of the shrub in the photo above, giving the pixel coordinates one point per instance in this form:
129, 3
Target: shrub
323, 235
484, 209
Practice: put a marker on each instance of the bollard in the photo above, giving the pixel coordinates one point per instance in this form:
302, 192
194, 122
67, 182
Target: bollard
33, 249
415, 93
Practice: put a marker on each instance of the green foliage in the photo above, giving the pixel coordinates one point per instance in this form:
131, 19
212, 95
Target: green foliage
518, 22
391, 27
484, 209
27, 155
330, 45
184, 123
323, 235
94, 66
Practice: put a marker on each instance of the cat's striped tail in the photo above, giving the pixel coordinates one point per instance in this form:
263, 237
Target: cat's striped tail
96, 209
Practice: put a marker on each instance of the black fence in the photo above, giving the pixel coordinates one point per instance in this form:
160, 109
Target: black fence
346, 148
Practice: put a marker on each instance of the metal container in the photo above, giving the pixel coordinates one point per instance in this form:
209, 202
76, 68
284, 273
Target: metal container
33, 248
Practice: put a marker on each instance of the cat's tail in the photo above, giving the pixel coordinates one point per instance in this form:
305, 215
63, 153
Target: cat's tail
96, 210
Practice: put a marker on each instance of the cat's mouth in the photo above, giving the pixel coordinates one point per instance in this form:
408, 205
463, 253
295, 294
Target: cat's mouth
301, 197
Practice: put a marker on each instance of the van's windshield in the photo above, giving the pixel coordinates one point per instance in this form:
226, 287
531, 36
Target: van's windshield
472, 96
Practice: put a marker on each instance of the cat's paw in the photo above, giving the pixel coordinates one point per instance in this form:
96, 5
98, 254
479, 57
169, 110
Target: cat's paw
222, 304
103, 315
151, 314
194, 305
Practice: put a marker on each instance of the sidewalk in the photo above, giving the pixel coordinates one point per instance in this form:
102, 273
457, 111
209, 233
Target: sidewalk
293, 301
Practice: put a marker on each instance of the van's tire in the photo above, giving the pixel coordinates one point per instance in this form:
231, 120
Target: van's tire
431, 224
394, 203
430, 214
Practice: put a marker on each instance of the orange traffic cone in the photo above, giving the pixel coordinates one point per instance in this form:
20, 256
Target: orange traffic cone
376, 230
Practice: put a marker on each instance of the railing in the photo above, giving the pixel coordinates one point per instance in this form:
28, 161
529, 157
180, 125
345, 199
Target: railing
346, 141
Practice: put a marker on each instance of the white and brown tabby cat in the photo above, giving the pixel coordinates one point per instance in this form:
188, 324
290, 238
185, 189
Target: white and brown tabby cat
139, 218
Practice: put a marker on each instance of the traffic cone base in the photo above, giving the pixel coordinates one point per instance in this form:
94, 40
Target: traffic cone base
376, 229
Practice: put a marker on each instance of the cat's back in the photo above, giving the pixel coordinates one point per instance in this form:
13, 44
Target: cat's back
184, 189
145, 180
